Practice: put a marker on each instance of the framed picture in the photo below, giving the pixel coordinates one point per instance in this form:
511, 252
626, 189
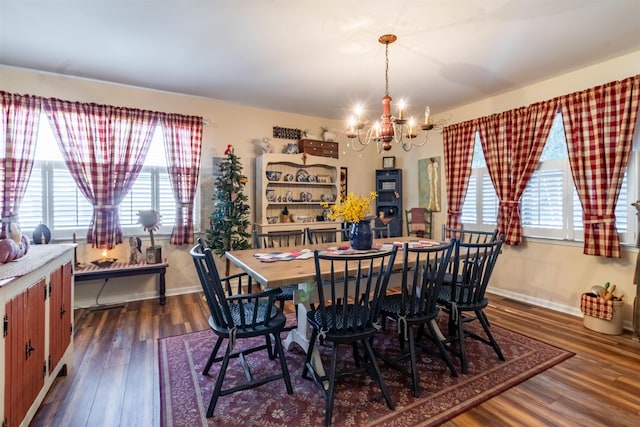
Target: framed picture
388, 162
343, 183
429, 192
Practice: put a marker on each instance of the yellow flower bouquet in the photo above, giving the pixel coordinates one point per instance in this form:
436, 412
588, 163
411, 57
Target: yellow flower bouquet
353, 208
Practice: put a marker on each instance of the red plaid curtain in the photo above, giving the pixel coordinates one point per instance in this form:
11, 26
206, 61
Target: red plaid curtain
104, 148
599, 125
512, 143
183, 146
19, 119
458, 155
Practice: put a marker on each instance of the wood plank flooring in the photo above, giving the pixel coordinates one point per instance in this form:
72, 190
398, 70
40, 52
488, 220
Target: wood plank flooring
114, 380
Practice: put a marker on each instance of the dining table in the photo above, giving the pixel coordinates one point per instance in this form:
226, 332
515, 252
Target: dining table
277, 267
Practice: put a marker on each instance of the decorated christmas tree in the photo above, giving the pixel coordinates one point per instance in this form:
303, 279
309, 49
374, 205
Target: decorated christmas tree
230, 218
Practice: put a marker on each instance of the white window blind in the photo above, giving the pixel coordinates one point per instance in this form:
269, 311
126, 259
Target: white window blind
52, 197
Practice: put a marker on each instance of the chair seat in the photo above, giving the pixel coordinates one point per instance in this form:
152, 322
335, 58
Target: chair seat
445, 297
287, 292
339, 321
276, 322
392, 304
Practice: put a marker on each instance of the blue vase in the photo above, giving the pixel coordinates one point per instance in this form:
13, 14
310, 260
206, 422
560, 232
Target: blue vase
361, 236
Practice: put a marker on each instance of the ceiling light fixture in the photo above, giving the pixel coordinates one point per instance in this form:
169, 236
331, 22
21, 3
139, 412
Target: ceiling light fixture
389, 129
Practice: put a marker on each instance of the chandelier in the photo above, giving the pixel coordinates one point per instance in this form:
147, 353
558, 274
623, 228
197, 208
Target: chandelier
389, 129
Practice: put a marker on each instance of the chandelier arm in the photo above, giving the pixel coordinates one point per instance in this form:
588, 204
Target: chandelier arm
363, 144
424, 141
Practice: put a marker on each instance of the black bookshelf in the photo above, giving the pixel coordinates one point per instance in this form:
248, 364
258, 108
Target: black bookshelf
389, 201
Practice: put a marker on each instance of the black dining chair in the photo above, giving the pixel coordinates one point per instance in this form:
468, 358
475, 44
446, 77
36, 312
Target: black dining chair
325, 235
469, 236
380, 230
464, 300
347, 312
416, 307
281, 239
237, 317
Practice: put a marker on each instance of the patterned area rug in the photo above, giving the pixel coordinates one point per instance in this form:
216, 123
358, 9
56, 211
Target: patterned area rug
185, 392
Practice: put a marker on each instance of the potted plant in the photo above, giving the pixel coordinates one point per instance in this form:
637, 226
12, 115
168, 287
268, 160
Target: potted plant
355, 210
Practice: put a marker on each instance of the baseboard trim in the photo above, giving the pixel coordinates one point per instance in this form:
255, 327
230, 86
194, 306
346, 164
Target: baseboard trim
137, 297
562, 308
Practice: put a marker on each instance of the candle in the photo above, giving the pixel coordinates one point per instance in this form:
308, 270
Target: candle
401, 109
427, 112
104, 255
358, 112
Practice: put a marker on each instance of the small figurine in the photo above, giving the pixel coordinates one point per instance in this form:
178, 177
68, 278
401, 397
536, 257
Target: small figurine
135, 250
267, 146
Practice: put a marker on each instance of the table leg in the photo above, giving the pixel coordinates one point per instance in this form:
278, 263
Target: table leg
300, 335
162, 290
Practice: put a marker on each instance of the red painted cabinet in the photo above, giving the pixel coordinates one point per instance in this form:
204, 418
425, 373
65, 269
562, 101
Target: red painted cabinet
24, 351
60, 328
36, 307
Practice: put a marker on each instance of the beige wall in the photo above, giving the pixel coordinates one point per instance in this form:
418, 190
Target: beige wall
552, 274
548, 273
229, 124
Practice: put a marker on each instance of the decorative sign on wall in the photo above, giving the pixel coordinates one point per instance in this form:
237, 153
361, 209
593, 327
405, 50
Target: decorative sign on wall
343, 183
286, 133
429, 183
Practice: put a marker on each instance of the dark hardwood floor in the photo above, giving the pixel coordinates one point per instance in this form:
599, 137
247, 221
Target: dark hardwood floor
114, 380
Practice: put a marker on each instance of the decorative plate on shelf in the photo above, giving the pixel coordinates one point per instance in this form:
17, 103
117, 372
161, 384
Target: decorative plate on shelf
302, 175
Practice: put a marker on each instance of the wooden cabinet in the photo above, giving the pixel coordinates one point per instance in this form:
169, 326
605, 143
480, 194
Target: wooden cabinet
389, 201
303, 183
25, 357
60, 308
318, 148
36, 305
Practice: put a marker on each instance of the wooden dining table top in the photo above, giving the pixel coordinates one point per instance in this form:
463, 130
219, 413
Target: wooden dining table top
282, 273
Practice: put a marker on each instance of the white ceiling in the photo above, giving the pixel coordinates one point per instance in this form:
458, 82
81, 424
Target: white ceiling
317, 57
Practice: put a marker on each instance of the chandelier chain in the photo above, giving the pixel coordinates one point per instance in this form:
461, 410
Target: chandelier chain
386, 70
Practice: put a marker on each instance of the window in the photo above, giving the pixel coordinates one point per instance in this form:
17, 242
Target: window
549, 206
52, 197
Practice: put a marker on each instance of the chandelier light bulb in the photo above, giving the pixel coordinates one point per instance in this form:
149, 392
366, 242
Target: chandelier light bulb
401, 109
427, 113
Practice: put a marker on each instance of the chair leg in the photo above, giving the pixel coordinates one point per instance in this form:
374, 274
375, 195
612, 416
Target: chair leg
485, 325
414, 365
377, 376
218, 386
332, 384
442, 348
270, 350
463, 351
212, 356
312, 343
283, 363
